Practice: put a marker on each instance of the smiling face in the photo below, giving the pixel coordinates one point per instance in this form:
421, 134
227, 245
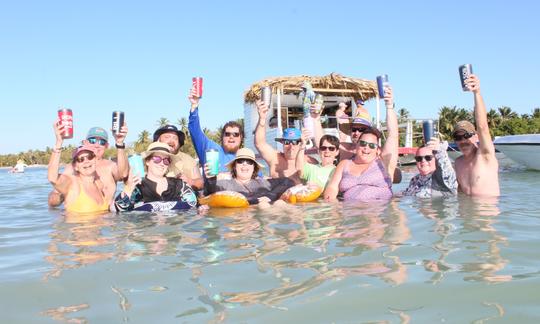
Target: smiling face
356, 132
85, 163
99, 144
425, 167
171, 139
244, 169
231, 139
367, 148
327, 155
157, 164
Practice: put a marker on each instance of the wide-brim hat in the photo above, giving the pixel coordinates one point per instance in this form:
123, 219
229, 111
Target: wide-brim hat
167, 129
244, 153
83, 148
362, 118
464, 126
290, 134
157, 147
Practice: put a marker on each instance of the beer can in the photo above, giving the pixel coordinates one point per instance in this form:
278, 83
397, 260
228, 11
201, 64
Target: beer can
427, 130
198, 86
382, 82
319, 101
212, 159
66, 118
117, 121
266, 95
465, 71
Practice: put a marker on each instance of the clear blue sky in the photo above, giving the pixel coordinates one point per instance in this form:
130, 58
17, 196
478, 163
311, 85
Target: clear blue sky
98, 56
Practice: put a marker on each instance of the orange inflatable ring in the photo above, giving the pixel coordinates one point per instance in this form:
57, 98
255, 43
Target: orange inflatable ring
302, 193
227, 199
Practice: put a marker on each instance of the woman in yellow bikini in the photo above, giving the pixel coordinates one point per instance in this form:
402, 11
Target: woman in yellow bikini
83, 191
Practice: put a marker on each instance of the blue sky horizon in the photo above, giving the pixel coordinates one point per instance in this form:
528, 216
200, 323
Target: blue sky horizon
139, 57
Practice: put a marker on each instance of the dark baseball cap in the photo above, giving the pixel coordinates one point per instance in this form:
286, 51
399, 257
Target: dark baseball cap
170, 129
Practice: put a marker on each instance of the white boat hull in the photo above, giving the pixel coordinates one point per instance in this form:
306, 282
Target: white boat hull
523, 149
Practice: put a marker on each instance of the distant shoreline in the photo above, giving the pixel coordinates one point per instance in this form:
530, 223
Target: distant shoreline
30, 166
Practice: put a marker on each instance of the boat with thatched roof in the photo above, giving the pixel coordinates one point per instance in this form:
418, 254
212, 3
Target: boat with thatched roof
286, 104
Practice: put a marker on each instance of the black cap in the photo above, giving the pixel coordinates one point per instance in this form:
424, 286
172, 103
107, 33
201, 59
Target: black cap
170, 128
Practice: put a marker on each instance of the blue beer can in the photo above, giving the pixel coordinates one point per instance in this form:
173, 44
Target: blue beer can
382, 82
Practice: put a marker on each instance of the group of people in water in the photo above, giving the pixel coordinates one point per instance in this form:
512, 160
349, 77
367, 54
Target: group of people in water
365, 172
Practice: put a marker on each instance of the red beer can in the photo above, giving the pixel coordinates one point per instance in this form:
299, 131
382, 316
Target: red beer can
66, 118
198, 86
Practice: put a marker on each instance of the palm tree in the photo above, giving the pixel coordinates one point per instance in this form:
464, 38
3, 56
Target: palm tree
449, 116
507, 113
183, 123
403, 114
162, 122
536, 113
494, 119
143, 141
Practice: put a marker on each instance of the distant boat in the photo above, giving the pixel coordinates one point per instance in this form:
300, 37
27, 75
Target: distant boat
523, 149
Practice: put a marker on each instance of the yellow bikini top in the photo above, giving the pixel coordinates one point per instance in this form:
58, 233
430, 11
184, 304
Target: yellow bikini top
86, 204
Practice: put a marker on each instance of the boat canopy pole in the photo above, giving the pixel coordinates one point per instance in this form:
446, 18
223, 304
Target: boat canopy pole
378, 114
279, 91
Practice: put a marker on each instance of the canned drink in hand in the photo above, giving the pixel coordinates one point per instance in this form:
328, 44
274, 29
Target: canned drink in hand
136, 164
266, 95
465, 72
117, 121
319, 100
212, 159
382, 83
66, 118
198, 86
427, 130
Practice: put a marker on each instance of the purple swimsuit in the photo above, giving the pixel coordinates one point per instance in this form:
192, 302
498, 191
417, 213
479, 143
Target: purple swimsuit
373, 184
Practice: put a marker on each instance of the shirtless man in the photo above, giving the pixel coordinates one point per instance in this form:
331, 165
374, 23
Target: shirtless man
183, 166
108, 171
281, 165
477, 170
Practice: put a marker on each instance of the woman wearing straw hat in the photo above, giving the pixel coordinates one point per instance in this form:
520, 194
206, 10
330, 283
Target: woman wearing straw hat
156, 192
244, 169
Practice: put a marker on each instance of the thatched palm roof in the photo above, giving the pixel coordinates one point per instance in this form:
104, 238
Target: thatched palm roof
331, 85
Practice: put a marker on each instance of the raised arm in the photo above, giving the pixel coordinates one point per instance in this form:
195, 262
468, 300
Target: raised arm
60, 183
300, 156
200, 141
444, 175
317, 127
122, 165
268, 153
486, 147
390, 149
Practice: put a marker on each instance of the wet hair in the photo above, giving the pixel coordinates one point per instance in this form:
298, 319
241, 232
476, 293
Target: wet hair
253, 176
330, 139
232, 123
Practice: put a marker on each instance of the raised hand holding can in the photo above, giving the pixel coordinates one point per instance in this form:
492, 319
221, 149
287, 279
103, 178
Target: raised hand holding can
465, 72
382, 83
198, 86
212, 160
117, 121
427, 130
66, 119
266, 95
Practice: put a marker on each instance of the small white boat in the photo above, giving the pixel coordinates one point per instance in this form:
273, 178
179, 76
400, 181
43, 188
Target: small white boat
523, 149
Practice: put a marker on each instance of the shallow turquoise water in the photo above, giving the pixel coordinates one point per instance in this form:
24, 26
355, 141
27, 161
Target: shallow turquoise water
457, 260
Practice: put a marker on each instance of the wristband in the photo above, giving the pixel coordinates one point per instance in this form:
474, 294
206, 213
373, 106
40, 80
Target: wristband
120, 146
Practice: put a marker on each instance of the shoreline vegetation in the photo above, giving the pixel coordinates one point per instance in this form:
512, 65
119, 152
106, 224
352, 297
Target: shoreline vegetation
502, 121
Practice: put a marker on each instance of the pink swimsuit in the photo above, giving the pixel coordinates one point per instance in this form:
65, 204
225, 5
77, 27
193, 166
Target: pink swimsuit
372, 184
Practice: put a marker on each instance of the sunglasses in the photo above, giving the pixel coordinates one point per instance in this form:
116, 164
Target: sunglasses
94, 140
328, 148
233, 134
245, 161
419, 158
289, 142
364, 144
82, 158
467, 135
359, 130
158, 159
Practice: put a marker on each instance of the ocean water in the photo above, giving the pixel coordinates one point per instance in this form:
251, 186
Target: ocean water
459, 260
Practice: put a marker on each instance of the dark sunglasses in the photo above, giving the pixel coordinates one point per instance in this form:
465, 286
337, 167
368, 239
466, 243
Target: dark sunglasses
364, 144
359, 130
157, 159
233, 134
467, 135
82, 158
94, 140
419, 158
328, 148
245, 161
293, 142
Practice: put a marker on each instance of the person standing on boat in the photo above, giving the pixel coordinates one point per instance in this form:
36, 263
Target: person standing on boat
477, 169
108, 171
436, 176
281, 164
184, 166
232, 136
342, 118
367, 177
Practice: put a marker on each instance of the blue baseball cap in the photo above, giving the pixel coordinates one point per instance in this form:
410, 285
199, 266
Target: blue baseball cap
290, 134
97, 132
